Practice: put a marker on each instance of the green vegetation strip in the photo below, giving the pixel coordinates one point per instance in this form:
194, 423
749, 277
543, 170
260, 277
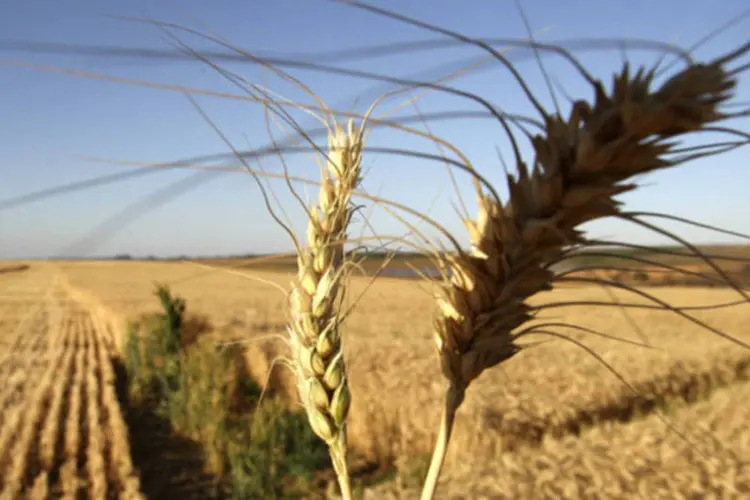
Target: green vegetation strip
253, 447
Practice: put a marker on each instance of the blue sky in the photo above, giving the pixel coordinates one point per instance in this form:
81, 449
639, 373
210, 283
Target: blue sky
51, 122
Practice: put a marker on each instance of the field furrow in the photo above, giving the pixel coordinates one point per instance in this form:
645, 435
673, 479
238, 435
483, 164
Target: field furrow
96, 446
21, 457
51, 431
69, 482
14, 325
48, 444
21, 368
27, 355
121, 473
40, 489
62, 432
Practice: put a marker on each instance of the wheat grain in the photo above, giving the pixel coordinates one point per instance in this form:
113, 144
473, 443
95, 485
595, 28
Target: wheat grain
314, 331
581, 164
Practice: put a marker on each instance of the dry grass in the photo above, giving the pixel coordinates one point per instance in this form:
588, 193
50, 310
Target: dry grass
60, 419
551, 391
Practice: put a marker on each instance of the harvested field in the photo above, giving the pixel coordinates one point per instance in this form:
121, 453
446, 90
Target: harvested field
553, 400
62, 434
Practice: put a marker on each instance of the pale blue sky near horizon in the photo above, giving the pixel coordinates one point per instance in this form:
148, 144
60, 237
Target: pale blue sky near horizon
51, 121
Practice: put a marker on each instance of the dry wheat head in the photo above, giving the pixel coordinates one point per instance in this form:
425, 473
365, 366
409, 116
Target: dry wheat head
314, 329
581, 164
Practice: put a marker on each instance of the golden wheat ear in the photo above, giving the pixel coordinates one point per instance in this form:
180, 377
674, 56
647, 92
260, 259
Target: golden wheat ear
581, 164
314, 331
315, 327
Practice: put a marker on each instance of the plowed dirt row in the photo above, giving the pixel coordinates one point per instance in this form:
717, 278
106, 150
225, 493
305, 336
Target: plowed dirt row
62, 433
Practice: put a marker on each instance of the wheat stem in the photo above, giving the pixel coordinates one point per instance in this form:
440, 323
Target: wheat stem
454, 395
337, 451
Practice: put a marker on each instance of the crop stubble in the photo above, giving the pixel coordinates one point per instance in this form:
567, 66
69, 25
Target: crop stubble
62, 434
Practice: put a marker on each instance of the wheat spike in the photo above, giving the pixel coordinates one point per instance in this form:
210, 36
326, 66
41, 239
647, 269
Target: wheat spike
581, 164
314, 330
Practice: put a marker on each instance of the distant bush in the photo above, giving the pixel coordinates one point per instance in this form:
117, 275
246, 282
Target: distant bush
14, 269
259, 449
640, 276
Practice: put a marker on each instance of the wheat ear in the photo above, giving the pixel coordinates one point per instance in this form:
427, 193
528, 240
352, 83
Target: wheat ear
581, 164
315, 335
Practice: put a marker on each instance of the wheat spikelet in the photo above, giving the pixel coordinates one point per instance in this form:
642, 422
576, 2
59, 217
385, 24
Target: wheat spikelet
581, 164
314, 329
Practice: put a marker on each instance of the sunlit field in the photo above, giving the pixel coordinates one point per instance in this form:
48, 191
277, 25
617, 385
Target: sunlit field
62, 432
659, 419
549, 300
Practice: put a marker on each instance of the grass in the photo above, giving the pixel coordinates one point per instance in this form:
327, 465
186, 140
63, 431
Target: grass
252, 446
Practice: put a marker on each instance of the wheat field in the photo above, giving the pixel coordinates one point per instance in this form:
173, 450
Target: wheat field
512, 378
553, 422
62, 433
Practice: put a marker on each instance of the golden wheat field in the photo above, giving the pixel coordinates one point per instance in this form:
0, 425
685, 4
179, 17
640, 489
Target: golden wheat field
62, 434
552, 422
